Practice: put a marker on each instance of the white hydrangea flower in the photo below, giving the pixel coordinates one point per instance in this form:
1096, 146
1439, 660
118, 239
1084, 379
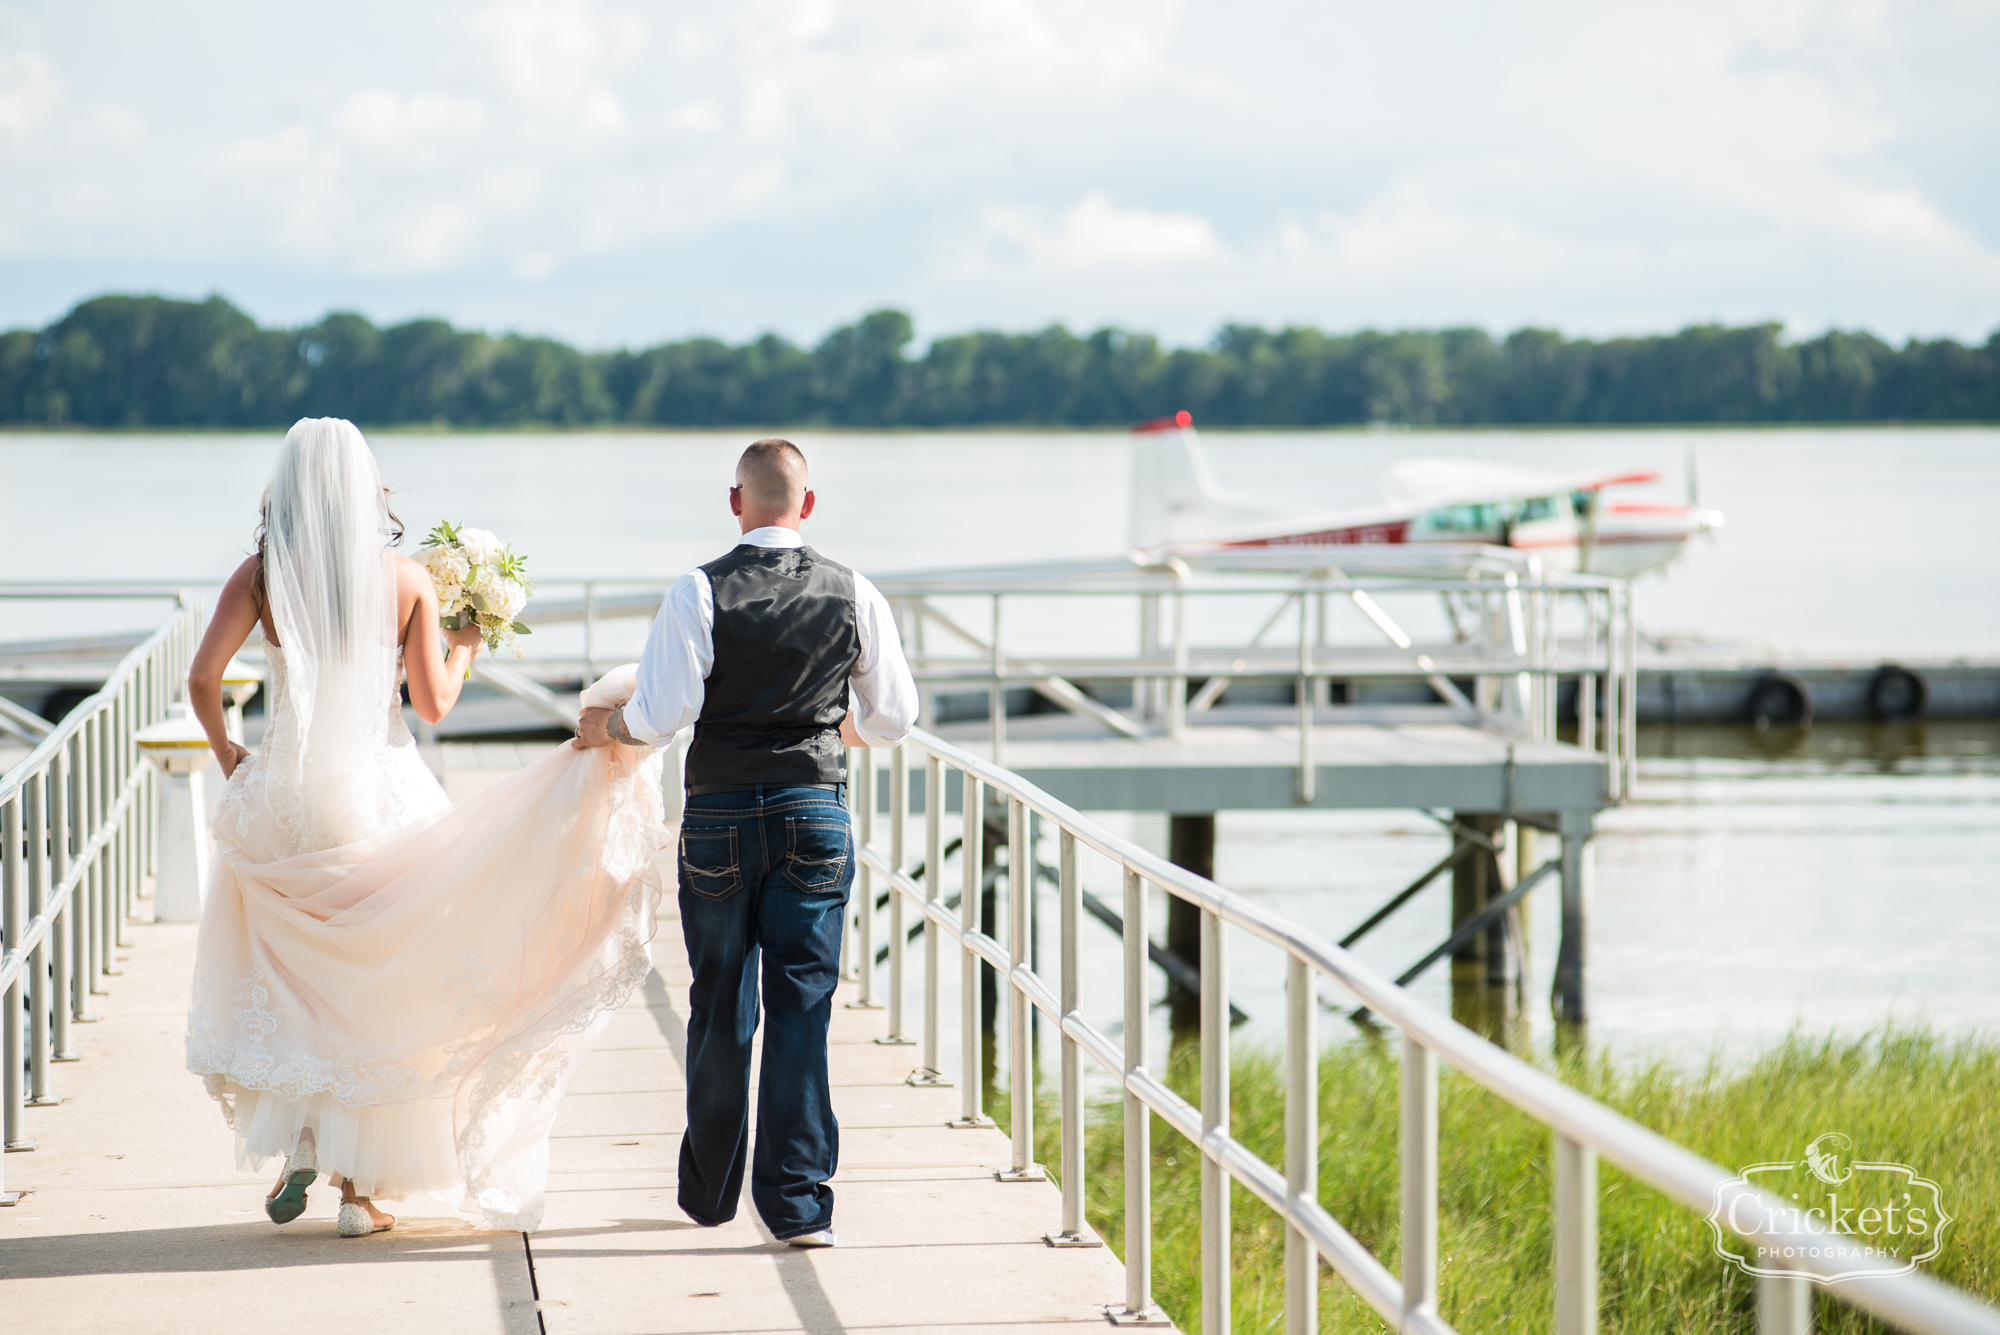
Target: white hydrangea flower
480, 546
448, 570
512, 599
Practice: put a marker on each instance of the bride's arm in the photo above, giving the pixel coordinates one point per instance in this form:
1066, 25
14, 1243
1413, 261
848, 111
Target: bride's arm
434, 678
230, 624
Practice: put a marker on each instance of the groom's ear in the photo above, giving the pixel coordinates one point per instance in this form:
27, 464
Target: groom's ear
736, 501
806, 506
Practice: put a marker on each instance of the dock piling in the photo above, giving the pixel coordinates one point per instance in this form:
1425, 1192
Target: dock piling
1569, 983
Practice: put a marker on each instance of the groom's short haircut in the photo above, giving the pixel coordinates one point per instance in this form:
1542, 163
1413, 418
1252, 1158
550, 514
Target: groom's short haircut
772, 474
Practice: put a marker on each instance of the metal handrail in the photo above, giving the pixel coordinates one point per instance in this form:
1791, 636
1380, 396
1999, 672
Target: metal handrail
78, 837
1584, 1129
1515, 661
1517, 668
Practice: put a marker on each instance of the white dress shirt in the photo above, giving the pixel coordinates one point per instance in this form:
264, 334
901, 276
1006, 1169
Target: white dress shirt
680, 653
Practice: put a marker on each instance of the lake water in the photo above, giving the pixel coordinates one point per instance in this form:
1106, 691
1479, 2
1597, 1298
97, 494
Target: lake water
1830, 883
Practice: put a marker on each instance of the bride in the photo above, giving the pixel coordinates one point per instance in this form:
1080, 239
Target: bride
387, 988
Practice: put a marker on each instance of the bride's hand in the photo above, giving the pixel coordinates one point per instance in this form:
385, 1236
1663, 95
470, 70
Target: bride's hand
465, 637
229, 756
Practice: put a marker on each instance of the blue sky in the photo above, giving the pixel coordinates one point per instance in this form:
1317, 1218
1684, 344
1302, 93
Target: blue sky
626, 172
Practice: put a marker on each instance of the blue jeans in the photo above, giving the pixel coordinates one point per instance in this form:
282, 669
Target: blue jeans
764, 874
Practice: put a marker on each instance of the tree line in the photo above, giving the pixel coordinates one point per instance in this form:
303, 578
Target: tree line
149, 361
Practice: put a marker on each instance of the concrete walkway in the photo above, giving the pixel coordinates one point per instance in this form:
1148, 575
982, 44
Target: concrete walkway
138, 1221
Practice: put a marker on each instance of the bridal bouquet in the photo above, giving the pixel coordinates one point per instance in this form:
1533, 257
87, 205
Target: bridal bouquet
479, 582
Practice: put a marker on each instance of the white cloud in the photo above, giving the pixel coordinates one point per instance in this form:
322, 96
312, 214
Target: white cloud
29, 92
560, 55
380, 118
1092, 235
616, 169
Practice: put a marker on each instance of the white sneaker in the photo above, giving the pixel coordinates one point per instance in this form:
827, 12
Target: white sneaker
822, 1238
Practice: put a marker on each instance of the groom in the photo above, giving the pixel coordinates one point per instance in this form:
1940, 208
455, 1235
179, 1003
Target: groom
759, 650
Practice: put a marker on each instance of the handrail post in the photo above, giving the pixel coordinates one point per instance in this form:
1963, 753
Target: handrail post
13, 891
1215, 1249
864, 810
899, 811
1177, 684
93, 876
82, 826
1147, 694
1070, 891
1586, 681
39, 999
972, 1049
1631, 700
997, 698
103, 869
1308, 779
930, 1074
67, 999
1518, 646
1020, 1042
1301, 1143
126, 750
1576, 1237
1139, 1309
1420, 1178
84, 965
1614, 676
1784, 1305
114, 847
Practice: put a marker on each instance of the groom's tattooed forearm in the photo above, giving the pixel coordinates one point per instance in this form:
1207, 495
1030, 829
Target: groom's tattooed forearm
614, 724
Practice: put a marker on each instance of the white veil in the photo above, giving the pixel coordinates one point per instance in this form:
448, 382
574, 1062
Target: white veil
330, 582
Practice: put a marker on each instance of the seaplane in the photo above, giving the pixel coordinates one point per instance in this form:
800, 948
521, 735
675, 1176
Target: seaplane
1563, 519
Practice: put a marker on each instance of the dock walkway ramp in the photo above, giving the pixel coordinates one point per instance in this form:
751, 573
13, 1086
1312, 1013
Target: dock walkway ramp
141, 1223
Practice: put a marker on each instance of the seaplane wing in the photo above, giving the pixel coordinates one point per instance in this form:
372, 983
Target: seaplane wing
1177, 509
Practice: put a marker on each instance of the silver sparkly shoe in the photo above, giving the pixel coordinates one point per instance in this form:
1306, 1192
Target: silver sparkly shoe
300, 1169
356, 1222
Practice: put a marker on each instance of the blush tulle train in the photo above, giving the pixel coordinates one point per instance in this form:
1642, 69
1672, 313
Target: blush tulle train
420, 995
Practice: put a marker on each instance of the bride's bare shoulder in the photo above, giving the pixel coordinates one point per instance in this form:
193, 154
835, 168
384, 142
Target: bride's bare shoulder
412, 580
243, 579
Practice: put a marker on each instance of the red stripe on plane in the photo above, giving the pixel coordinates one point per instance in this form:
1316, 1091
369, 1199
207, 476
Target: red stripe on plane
1368, 535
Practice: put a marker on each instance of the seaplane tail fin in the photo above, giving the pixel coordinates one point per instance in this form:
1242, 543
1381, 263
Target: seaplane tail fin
1174, 498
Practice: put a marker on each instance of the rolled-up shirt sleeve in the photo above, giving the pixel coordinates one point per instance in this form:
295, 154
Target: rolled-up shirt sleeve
673, 671
885, 692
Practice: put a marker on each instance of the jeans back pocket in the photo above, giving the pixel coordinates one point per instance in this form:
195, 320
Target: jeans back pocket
710, 865
817, 852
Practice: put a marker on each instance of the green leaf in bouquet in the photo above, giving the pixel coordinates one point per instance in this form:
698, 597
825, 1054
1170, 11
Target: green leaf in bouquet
444, 535
512, 565
521, 628
479, 601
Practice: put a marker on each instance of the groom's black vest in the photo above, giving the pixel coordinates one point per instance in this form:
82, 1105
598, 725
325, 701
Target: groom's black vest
785, 642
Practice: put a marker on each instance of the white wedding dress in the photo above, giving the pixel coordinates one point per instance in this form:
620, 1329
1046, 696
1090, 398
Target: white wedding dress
415, 981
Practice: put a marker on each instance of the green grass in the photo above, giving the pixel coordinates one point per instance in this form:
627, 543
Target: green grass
1904, 1095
